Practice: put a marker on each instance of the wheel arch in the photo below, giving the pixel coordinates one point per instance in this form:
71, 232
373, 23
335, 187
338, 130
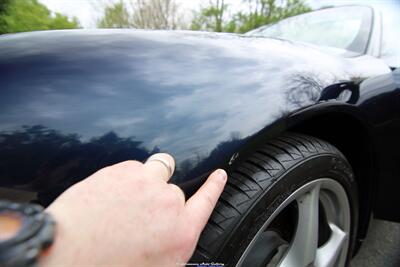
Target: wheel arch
346, 128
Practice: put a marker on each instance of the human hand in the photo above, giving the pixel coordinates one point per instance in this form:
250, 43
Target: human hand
128, 215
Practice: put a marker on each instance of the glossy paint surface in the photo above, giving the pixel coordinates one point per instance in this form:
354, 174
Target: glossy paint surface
383, 107
72, 102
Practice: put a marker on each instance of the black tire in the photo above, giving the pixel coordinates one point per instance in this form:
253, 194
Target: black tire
263, 181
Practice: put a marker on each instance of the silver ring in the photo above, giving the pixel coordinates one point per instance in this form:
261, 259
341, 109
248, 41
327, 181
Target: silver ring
163, 161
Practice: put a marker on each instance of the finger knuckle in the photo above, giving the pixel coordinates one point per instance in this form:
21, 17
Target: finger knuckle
178, 191
129, 164
171, 199
125, 166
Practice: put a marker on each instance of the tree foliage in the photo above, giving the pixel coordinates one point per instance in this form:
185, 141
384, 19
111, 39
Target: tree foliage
115, 16
142, 14
30, 15
211, 17
255, 13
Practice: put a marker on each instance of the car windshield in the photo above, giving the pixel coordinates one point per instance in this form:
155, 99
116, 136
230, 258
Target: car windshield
390, 50
342, 27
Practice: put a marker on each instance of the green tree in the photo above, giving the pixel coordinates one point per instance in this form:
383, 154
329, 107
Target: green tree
30, 15
142, 14
256, 13
3, 5
263, 12
211, 18
115, 16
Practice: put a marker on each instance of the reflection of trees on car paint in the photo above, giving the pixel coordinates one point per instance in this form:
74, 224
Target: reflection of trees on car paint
54, 161
303, 89
66, 158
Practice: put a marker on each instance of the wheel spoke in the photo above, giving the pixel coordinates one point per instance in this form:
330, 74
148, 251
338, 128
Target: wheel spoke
303, 249
328, 255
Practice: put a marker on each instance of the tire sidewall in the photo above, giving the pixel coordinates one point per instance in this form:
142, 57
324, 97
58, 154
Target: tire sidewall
328, 165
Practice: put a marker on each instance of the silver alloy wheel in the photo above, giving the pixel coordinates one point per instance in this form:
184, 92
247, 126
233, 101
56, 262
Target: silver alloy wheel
303, 250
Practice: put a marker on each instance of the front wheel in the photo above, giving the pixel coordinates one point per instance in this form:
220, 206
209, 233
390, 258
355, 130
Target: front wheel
292, 203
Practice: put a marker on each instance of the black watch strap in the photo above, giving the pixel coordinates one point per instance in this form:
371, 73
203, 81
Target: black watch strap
35, 234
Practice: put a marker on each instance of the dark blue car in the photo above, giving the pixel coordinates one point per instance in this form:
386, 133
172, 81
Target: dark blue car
304, 115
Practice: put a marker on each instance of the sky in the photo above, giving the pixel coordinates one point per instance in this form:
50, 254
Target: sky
90, 11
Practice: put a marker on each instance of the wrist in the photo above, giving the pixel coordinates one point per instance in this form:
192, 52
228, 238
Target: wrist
26, 233
51, 255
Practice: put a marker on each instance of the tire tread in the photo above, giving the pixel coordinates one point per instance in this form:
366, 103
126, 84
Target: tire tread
249, 180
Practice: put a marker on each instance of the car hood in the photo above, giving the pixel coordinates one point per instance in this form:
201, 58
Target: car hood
74, 101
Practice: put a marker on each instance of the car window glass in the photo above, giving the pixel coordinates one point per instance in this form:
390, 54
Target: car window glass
390, 51
344, 28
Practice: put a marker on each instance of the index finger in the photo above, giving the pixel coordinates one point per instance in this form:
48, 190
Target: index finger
200, 206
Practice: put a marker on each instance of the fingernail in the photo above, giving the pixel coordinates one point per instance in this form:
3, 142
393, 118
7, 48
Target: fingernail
222, 175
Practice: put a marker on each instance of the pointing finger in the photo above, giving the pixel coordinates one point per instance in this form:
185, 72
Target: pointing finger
200, 206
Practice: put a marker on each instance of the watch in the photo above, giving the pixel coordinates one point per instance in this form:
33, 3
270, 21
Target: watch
25, 232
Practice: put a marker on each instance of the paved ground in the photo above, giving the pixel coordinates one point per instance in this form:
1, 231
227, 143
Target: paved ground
382, 246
